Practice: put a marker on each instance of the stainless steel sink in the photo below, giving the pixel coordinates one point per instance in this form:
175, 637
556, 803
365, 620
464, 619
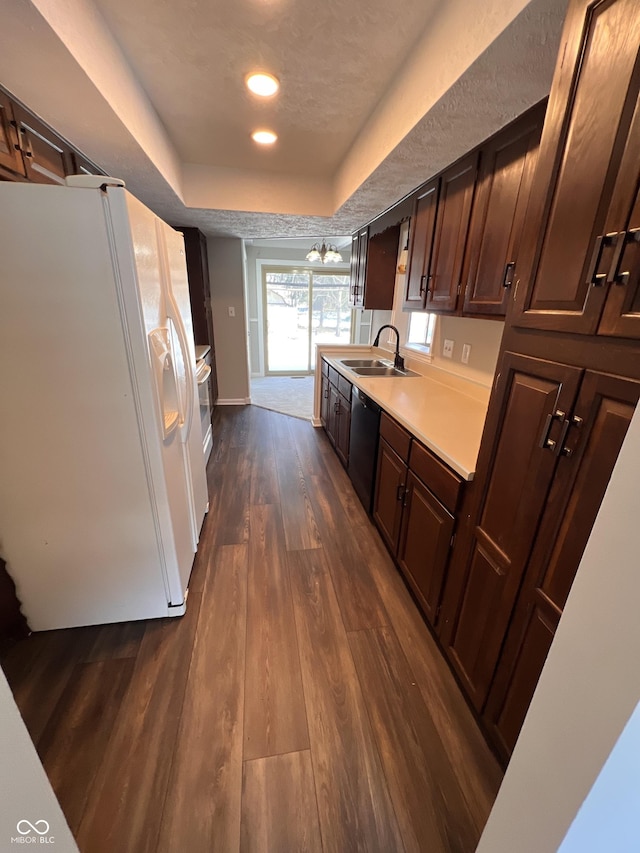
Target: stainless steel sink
382, 371
363, 362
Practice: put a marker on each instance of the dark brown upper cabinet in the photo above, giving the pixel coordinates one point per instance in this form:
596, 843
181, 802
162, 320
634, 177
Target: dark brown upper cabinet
48, 159
421, 229
452, 225
10, 155
438, 237
83, 166
359, 243
373, 269
579, 247
507, 163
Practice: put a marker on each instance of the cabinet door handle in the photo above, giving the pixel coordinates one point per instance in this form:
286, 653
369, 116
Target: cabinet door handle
423, 279
509, 270
405, 497
326, 393
577, 422
400, 491
622, 240
545, 442
566, 423
593, 277
336, 408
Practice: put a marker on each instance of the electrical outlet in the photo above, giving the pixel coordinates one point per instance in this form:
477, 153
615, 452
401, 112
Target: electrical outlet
447, 348
232, 311
466, 352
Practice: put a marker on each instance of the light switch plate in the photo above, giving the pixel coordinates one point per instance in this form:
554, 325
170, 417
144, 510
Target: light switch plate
447, 348
232, 311
466, 352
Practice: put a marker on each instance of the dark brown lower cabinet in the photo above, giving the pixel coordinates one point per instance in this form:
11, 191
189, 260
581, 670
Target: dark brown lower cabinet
552, 437
391, 481
598, 425
409, 510
335, 410
425, 539
343, 427
516, 468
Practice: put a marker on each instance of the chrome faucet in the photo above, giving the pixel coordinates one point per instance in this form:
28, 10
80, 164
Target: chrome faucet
398, 361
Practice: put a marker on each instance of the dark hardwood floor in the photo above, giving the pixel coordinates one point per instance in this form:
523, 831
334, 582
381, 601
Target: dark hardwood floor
301, 704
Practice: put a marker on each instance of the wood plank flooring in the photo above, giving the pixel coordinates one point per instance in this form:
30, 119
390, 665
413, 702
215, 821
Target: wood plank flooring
301, 704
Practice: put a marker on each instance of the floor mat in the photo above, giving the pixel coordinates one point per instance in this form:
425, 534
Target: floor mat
290, 395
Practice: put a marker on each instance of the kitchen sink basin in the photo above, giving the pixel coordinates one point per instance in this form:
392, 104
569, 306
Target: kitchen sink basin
363, 362
382, 371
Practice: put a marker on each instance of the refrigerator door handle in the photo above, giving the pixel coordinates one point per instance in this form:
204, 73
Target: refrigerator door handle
166, 381
187, 415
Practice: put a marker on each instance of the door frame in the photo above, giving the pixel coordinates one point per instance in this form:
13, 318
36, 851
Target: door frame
262, 266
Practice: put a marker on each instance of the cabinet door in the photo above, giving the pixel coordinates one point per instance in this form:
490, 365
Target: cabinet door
391, 481
450, 237
621, 315
382, 257
420, 245
591, 104
599, 424
361, 272
325, 401
10, 156
427, 528
507, 164
48, 159
343, 428
521, 442
82, 166
332, 415
353, 275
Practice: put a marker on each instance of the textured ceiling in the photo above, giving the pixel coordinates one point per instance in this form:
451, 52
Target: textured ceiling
334, 59
376, 97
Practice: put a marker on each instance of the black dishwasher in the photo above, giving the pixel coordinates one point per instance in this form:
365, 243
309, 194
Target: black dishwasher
363, 445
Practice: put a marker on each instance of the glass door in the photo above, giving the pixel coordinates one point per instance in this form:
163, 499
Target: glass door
303, 308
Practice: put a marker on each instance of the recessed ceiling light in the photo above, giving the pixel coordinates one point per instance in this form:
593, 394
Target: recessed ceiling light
264, 137
263, 84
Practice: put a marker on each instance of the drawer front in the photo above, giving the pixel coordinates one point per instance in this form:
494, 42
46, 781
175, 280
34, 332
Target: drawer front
344, 387
333, 376
395, 435
444, 484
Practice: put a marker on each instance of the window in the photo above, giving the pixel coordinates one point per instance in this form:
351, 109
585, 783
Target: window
421, 329
303, 307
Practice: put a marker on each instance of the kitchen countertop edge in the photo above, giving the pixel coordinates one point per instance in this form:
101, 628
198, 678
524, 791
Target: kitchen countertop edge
380, 388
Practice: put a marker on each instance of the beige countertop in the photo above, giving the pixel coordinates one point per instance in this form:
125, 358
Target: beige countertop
446, 413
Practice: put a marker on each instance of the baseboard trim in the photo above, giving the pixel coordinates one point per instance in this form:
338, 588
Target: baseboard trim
316, 422
233, 401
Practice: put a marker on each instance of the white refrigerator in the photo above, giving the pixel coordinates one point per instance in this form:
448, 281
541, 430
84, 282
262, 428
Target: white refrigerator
102, 474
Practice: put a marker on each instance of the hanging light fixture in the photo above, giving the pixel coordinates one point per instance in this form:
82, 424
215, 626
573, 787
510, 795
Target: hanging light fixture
324, 254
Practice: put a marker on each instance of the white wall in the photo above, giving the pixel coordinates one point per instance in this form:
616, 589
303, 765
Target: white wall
483, 335
25, 791
226, 270
589, 686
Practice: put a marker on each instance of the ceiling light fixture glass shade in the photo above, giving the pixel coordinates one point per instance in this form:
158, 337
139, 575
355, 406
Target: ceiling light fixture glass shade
262, 84
264, 137
324, 254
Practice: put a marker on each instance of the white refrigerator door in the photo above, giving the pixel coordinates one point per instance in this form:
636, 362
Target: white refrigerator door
80, 522
179, 309
171, 382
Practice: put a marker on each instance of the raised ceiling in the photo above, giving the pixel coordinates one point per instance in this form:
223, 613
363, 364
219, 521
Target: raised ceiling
375, 97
